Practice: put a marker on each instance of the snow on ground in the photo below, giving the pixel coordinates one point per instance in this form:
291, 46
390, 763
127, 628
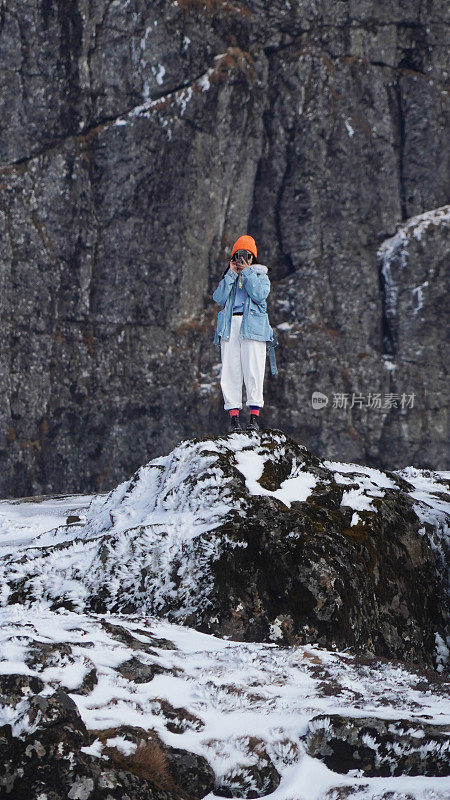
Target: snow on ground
297, 487
376, 476
431, 489
24, 522
232, 690
428, 487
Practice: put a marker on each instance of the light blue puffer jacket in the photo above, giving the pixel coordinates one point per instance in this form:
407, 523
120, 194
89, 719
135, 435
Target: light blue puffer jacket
255, 321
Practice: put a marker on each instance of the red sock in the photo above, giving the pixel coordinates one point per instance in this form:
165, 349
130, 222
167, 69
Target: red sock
234, 412
254, 411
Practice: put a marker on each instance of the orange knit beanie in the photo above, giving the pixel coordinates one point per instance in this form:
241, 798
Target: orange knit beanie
245, 243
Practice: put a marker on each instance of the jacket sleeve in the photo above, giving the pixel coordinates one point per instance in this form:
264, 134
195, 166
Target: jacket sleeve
224, 288
257, 286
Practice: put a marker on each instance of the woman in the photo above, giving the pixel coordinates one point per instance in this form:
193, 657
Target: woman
243, 331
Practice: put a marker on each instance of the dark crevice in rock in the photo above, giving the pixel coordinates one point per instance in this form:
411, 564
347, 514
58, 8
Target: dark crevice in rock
95, 251
71, 26
387, 333
416, 56
401, 151
400, 68
57, 140
286, 257
285, 265
91, 50
410, 61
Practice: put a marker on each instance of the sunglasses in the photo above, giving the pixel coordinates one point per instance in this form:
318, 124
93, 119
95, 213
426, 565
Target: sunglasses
242, 255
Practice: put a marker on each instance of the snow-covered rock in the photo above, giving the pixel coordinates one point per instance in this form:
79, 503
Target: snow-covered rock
380, 746
250, 536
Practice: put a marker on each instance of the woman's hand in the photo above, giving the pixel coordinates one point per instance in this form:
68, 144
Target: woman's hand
238, 266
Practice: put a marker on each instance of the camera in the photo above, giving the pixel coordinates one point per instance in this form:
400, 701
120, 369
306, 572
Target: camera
241, 256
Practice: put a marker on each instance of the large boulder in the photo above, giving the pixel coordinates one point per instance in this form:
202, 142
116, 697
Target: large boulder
50, 753
381, 747
252, 537
411, 267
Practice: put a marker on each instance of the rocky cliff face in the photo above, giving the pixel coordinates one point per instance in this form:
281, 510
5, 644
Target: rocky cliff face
136, 141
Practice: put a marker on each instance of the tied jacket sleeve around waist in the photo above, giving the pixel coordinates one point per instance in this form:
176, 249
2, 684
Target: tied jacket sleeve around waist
255, 321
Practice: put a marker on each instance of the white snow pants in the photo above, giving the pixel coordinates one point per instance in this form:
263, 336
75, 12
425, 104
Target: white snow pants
242, 359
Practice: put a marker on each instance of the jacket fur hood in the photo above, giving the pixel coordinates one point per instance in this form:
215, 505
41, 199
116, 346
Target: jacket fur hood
260, 268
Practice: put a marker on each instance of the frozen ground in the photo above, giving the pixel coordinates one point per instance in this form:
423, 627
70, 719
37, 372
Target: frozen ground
232, 691
222, 694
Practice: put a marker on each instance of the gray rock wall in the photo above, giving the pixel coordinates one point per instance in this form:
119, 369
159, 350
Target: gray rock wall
136, 142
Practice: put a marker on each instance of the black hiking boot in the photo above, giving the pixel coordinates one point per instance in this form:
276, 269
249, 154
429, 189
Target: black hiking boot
235, 425
253, 425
